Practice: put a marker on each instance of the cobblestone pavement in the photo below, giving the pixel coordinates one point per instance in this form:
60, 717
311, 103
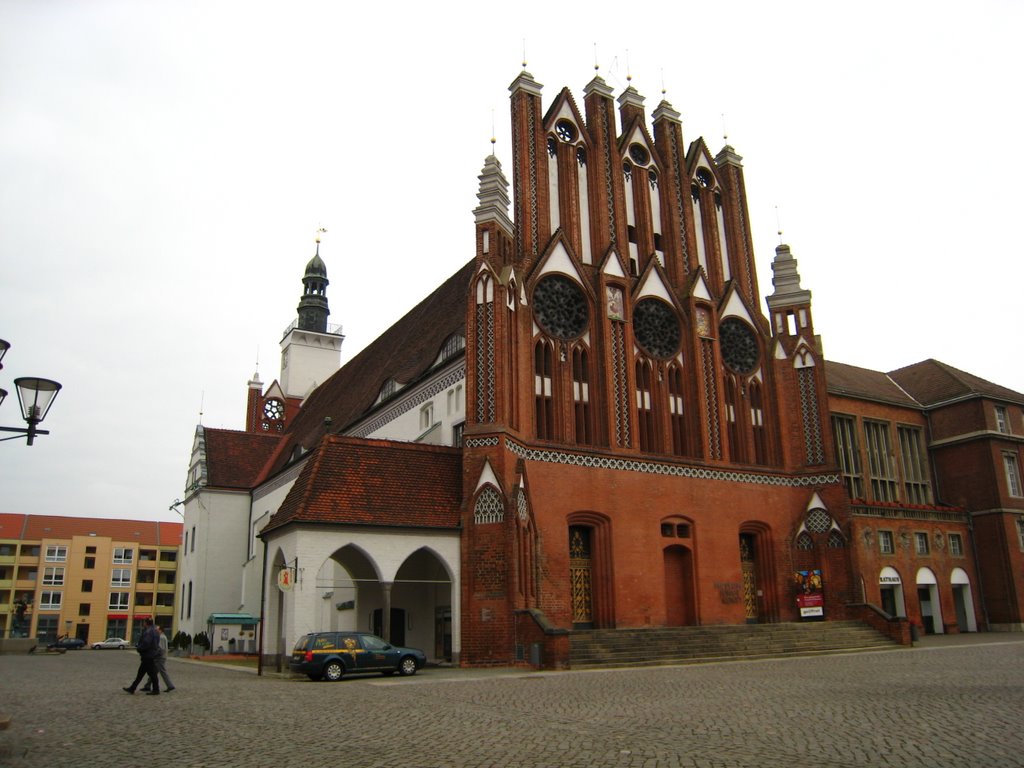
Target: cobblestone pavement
936, 706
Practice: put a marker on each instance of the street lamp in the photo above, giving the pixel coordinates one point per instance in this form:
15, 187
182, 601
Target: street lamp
35, 396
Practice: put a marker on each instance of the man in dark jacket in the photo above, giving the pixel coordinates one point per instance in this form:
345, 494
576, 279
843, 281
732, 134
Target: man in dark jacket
148, 648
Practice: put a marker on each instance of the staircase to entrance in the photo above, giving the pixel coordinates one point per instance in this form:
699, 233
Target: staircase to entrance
690, 645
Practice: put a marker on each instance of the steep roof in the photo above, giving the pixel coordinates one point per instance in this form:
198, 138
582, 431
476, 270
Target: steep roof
932, 381
236, 459
358, 481
38, 527
405, 352
851, 381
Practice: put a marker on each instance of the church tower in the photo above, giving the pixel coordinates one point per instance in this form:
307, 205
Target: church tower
310, 348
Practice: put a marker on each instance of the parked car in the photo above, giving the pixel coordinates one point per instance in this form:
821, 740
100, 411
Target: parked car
111, 642
330, 655
68, 643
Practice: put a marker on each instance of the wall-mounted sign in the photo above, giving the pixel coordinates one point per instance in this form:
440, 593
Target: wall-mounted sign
284, 579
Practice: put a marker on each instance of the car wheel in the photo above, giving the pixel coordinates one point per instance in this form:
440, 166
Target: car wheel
97, 647
407, 666
333, 671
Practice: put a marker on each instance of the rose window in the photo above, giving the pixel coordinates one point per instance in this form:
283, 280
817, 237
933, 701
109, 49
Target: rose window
560, 308
739, 345
656, 328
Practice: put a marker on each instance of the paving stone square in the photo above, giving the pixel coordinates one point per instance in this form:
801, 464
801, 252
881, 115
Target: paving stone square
941, 704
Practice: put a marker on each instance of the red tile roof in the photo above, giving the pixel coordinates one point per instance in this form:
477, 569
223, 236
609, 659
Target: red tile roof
863, 383
357, 481
38, 527
932, 382
236, 459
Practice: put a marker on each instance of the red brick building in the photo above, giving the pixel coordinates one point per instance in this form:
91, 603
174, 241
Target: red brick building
638, 443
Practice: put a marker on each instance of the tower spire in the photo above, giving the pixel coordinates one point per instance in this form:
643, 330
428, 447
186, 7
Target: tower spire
313, 309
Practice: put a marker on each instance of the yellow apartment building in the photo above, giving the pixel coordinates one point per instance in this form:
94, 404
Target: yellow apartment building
90, 578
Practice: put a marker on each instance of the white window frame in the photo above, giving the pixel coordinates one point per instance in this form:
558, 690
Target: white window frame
1002, 420
50, 600
886, 543
56, 553
120, 577
53, 576
1012, 469
921, 543
122, 601
956, 549
123, 555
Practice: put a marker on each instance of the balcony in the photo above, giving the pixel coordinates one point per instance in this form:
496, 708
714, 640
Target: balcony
7, 559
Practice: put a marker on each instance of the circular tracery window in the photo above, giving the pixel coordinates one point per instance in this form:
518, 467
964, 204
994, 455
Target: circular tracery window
565, 131
559, 307
656, 328
639, 154
739, 345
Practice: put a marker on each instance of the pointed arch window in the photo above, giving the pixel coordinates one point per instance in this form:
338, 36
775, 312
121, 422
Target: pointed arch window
581, 395
645, 405
804, 541
543, 395
737, 445
757, 422
677, 413
489, 507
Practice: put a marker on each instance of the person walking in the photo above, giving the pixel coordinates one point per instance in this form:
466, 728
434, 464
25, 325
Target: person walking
161, 663
148, 648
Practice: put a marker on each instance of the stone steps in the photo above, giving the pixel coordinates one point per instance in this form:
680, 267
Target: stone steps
685, 645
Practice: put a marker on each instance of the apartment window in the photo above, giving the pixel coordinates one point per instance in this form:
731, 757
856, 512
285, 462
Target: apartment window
121, 577
89, 563
7, 550
87, 585
165, 599
53, 576
915, 465
83, 609
122, 556
921, 543
56, 554
90, 550
30, 551
848, 453
168, 556
46, 628
880, 463
956, 545
50, 601
886, 544
1002, 420
28, 574
118, 601
457, 431
1012, 473
143, 599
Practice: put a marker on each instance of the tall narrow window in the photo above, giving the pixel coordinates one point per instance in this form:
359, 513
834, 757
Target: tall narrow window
848, 455
757, 423
644, 406
1012, 474
737, 445
581, 394
915, 465
880, 463
1002, 420
543, 365
677, 415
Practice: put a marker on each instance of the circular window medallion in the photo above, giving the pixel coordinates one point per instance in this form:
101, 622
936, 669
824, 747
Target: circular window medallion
273, 409
559, 307
739, 345
565, 131
656, 328
639, 154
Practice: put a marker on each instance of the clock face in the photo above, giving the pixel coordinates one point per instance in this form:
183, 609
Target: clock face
656, 328
560, 308
273, 409
739, 345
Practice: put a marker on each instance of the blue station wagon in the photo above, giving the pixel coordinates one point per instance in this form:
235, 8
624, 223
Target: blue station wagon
330, 655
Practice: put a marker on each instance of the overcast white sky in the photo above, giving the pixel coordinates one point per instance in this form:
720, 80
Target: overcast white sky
164, 167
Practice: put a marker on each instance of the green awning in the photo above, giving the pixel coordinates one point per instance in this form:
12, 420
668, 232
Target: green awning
232, 618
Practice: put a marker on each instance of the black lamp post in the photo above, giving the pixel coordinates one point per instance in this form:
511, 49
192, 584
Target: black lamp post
35, 395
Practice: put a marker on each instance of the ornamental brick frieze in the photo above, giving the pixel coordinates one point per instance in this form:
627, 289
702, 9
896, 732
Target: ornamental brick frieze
420, 396
550, 456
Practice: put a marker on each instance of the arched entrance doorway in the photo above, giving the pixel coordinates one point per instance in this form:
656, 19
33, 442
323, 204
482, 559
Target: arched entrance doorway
421, 605
963, 601
590, 579
890, 585
756, 574
679, 601
928, 599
